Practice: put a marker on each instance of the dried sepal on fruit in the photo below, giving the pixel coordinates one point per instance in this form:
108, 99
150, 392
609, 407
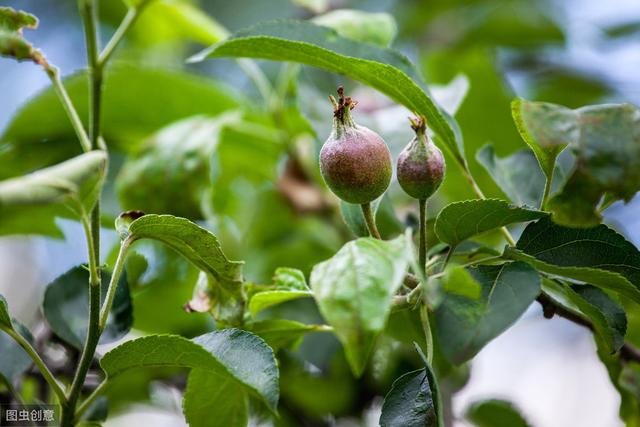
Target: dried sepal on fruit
421, 166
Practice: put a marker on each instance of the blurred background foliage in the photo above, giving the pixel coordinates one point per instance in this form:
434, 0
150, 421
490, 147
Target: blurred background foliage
202, 141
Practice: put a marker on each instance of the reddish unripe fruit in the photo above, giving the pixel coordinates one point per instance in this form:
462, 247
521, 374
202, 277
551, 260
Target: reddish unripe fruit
421, 166
355, 161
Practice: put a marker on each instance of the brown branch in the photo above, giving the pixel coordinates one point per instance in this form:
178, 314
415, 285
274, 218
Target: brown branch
627, 353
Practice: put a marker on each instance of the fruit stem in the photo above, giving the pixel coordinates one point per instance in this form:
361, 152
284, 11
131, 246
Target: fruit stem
369, 219
422, 256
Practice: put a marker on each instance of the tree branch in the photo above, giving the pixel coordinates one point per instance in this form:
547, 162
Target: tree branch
627, 353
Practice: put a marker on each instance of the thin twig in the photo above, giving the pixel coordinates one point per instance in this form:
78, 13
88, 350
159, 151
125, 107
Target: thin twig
113, 284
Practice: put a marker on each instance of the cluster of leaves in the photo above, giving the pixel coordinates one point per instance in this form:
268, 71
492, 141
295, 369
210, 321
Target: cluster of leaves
202, 152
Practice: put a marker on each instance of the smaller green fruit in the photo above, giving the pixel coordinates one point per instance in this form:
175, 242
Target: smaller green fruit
355, 162
421, 166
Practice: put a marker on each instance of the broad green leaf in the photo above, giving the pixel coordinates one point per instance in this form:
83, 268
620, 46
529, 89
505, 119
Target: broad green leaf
460, 220
229, 353
518, 175
175, 162
386, 219
66, 307
414, 400
14, 361
283, 333
457, 280
604, 279
248, 358
608, 317
126, 117
306, 43
358, 25
605, 140
465, 325
598, 255
495, 413
190, 240
607, 155
211, 400
166, 20
546, 128
289, 284
409, 403
354, 290
71, 186
262, 300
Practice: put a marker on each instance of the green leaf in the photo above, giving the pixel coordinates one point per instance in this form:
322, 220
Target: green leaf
409, 403
262, 300
518, 175
414, 400
14, 361
224, 303
613, 313
66, 307
465, 325
229, 353
214, 401
376, 28
605, 140
190, 240
12, 43
608, 317
306, 43
248, 358
460, 220
283, 333
15, 20
290, 279
175, 162
457, 280
598, 255
289, 284
495, 413
126, 116
354, 290
165, 20
5, 318
70, 186
546, 128
607, 154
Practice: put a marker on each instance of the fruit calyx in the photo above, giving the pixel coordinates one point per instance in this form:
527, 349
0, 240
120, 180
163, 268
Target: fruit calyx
342, 110
421, 165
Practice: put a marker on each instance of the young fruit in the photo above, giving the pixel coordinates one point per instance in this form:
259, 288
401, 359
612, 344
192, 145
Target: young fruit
421, 165
355, 161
